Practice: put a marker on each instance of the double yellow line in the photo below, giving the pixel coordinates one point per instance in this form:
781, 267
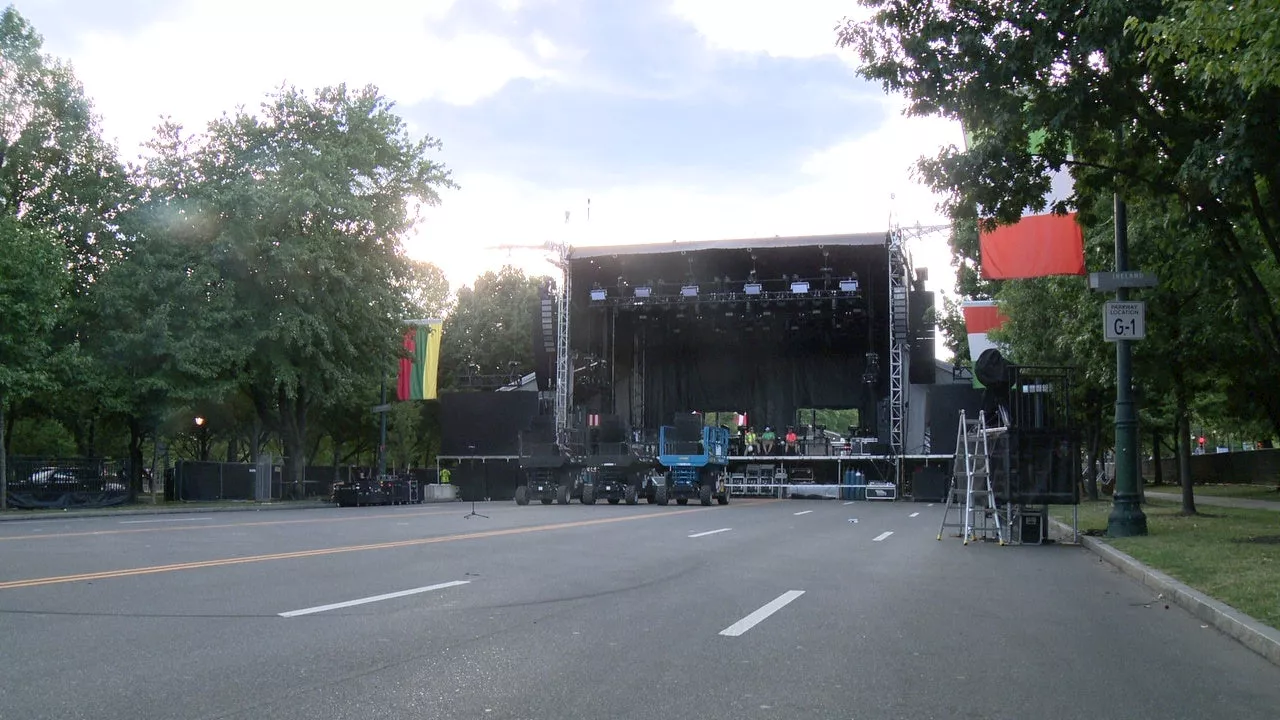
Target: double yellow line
154, 569
174, 528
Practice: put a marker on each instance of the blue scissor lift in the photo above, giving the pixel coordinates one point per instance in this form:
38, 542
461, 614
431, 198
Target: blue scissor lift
696, 460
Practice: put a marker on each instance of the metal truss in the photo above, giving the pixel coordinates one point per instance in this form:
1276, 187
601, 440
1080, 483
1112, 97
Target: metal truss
773, 297
564, 360
899, 346
638, 360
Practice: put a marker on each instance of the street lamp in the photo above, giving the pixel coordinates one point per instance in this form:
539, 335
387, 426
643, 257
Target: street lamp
202, 439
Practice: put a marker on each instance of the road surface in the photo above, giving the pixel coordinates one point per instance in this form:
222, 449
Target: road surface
762, 609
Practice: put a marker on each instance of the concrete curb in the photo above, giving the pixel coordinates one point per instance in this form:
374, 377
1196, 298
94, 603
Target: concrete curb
29, 515
1259, 638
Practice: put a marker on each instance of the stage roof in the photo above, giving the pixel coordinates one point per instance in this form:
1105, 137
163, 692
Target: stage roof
799, 241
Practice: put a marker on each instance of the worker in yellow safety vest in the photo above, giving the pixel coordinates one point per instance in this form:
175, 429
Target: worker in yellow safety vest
444, 476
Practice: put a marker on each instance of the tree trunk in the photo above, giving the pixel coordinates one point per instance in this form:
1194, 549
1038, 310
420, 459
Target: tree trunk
4, 459
336, 462
91, 441
1156, 466
314, 452
1184, 447
293, 432
136, 436
6, 434
1091, 479
255, 442
233, 447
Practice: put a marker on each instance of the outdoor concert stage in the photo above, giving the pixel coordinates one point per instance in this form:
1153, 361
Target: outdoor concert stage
759, 332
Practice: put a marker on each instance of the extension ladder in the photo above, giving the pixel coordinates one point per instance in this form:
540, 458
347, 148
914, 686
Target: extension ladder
971, 491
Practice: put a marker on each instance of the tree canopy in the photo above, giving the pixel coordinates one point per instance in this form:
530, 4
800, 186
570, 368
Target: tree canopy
252, 271
1168, 104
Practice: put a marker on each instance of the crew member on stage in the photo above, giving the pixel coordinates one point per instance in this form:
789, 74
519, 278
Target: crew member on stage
793, 442
767, 440
750, 448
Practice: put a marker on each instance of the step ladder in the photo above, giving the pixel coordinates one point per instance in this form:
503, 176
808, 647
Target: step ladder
971, 492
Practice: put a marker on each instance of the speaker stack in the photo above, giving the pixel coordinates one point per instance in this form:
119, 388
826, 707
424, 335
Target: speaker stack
544, 337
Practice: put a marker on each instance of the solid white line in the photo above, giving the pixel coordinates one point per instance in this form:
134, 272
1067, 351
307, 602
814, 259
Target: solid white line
881, 536
913, 514
375, 598
804, 512
140, 522
758, 616
710, 532
849, 503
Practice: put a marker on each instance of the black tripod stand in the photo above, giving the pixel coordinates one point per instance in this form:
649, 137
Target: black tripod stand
473, 512
485, 481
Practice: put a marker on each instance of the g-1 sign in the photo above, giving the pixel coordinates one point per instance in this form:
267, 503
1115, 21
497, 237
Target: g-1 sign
1124, 321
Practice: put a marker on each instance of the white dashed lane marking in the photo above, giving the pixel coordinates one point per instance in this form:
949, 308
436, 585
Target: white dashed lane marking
375, 598
760, 615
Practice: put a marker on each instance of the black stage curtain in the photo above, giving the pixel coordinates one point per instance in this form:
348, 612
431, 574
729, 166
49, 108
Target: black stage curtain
767, 375
485, 423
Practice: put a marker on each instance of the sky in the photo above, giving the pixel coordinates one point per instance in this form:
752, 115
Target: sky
671, 119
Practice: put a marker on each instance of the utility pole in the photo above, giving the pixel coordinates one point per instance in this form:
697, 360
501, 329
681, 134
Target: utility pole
1127, 518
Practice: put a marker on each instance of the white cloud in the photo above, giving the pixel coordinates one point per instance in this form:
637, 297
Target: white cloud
799, 28
217, 54
850, 187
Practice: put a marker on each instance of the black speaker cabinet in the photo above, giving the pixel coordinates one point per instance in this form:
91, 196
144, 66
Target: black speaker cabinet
929, 484
1031, 527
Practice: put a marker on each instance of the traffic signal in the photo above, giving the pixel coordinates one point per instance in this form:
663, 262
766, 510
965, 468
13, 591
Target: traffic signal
1201, 441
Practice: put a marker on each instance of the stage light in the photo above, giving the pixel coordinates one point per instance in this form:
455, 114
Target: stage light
599, 294
848, 286
800, 288
643, 291
689, 291
752, 288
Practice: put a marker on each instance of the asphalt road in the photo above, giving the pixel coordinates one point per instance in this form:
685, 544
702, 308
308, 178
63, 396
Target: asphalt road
790, 611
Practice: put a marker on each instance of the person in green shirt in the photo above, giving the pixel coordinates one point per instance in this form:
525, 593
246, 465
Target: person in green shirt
767, 440
444, 476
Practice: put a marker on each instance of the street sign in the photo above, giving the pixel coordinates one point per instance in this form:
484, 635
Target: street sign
381, 409
1124, 321
1112, 281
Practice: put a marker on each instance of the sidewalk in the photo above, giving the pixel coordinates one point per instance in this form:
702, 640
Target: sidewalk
1258, 637
1245, 503
143, 508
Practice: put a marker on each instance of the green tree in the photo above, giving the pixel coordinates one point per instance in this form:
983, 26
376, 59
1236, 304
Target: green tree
490, 329
303, 209
1123, 114
1229, 42
156, 340
427, 289
56, 172
33, 288
57, 176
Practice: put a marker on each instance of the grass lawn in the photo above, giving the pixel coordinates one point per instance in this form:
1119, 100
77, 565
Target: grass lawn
1228, 553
